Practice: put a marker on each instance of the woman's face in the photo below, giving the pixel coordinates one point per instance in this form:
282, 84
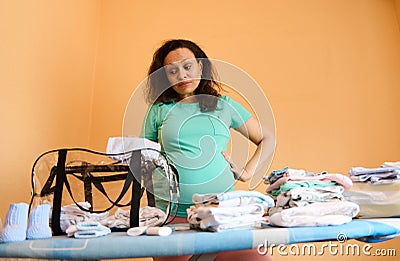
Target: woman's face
183, 71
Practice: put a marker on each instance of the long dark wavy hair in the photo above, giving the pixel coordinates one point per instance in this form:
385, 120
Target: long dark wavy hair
158, 88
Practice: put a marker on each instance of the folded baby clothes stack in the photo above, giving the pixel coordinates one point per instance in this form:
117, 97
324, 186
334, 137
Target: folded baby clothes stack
230, 210
297, 189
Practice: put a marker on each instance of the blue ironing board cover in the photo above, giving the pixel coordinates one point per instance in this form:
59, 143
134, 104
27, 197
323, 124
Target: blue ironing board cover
120, 245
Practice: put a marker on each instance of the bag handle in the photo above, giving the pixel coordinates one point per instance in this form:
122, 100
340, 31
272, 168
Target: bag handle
97, 182
127, 183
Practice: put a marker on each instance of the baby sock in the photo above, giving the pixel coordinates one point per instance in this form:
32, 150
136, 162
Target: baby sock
16, 223
38, 227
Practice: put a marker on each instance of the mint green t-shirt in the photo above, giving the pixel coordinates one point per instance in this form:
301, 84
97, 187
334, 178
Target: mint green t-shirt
193, 141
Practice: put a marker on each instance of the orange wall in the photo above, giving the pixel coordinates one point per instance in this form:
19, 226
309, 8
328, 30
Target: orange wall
330, 69
47, 56
397, 7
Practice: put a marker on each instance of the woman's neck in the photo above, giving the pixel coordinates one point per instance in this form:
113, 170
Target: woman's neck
188, 99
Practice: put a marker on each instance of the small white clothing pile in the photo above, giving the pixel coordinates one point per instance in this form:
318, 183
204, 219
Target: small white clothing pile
148, 216
72, 216
230, 210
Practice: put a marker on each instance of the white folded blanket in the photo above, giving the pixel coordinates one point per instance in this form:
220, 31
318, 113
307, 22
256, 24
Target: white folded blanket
246, 221
316, 214
118, 145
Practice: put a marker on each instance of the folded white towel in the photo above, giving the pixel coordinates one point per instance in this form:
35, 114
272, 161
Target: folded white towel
316, 214
117, 145
219, 222
304, 221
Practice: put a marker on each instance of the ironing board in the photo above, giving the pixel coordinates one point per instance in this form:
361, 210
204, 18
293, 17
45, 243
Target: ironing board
120, 245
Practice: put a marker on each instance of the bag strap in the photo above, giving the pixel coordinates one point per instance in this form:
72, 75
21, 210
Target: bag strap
47, 188
135, 172
125, 188
87, 187
98, 184
89, 180
60, 178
